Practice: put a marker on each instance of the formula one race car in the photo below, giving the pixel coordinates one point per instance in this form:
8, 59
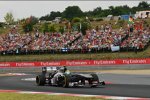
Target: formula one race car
60, 76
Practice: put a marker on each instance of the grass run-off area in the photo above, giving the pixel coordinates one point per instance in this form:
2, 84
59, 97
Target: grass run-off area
15, 96
93, 56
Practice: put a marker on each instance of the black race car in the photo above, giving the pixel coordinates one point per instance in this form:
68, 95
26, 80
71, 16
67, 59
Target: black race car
56, 76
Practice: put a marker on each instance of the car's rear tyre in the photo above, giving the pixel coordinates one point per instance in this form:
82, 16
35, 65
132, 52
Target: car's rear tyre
40, 80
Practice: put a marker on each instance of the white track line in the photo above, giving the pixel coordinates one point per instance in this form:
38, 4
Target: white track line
17, 74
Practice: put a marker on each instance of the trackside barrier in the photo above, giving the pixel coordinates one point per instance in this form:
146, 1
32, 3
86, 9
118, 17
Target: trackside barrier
75, 63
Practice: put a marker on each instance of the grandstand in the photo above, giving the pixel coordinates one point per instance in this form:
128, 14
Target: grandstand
102, 40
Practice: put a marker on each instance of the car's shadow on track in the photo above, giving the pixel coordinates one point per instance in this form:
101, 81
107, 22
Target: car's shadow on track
78, 87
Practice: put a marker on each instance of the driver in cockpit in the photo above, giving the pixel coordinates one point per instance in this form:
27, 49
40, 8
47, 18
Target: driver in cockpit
60, 72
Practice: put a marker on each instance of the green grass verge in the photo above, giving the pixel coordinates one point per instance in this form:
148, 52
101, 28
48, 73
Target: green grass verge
94, 56
15, 96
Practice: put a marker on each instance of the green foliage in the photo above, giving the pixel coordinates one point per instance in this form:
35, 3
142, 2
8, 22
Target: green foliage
76, 26
28, 23
9, 18
61, 29
81, 26
71, 12
105, 13
52, 28
97, 11
27, 27
51, 16
45, 27
119, 10
74, 11
1, 24
34, 20
84, 27
144, 5
76, 19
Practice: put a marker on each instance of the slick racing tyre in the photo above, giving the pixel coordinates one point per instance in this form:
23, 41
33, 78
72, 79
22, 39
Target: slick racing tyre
40, 80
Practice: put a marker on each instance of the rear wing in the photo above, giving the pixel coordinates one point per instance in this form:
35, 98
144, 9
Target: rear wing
49, 69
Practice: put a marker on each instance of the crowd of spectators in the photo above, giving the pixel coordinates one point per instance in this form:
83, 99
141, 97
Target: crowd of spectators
97, 40
15, 43
52, 41
137, 40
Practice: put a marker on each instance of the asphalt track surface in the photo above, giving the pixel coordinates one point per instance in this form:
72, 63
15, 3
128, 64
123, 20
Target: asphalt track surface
118, 85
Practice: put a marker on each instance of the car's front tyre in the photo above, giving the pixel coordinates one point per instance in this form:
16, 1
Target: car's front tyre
40, 80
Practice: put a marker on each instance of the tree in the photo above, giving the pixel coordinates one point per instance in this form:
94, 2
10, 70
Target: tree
84, 26
9, 18
71, 12
45, 27
76, 19
46, 17
61, 29
114, 10
52, 28
88, 13
105, 13
1, 24
143, 4
28, 23
97, 11
51, 16
34, 20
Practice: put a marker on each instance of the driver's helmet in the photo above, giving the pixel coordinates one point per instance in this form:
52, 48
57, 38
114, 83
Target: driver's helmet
65, 68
